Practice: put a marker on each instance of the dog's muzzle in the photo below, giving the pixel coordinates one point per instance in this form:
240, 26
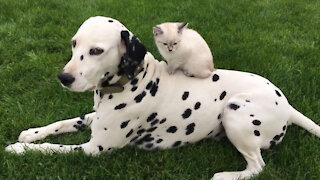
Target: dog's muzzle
66, 79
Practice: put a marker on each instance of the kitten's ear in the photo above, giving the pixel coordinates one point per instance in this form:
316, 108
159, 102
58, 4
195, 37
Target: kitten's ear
182, 26
157, 31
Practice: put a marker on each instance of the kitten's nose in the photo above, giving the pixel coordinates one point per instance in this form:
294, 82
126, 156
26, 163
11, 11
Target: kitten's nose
170, 50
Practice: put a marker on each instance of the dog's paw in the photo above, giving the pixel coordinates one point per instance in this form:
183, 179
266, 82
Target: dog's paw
31, 135
17, 148
226, 176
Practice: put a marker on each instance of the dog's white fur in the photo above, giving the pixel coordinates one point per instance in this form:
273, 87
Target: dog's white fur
253, 112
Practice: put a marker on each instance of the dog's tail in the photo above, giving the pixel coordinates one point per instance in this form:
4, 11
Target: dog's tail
304, 122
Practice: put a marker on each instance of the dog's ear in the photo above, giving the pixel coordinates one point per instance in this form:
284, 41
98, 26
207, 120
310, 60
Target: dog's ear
182, 26
134, 54
157, 31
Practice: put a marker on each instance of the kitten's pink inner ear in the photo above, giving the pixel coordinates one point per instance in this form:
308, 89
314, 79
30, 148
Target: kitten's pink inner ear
157, 30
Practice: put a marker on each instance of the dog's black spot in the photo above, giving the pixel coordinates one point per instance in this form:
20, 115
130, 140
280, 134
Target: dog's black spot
134, 81
145, 138
124, 124
157, 80
110, 96
223, 94
134, 88
163, 120
36, 132
97, 92
219, 116
105, 129
101, 94
144, 74
197, 105
100, 148
149, 145
284, 127
152, 116
176, 144
256, 132
190, 128
186, 113
106, 74
109, 149
110, 20
56, 130
215, 99
210, 132
281, 134
135, 138
152, 129
251, 115
154, 89
129, 133
278, 93
141, 131
185, 95
154, 122
159, 140
256, 122
120, 106
139, 97
79, 122
81, 57
276, 138
248, 101
172, 129
61, 146
215, 77
234, 106
149, 85
276, 103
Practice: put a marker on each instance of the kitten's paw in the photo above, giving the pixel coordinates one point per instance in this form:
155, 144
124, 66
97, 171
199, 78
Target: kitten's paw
171, 71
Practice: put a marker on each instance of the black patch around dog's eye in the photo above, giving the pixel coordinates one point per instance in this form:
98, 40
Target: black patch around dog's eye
74, 43
96, 51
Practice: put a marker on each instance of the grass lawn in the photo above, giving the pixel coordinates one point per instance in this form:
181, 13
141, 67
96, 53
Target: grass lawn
278, 39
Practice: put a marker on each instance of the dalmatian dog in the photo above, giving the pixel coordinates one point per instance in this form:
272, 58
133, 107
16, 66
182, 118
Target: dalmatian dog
138, 103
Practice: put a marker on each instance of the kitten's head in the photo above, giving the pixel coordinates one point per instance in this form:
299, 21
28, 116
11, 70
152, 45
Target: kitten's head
168, 36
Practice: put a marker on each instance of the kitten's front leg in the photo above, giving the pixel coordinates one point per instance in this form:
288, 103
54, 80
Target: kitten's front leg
172, 68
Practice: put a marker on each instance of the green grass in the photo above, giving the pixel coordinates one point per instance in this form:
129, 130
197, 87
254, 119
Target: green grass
278, 39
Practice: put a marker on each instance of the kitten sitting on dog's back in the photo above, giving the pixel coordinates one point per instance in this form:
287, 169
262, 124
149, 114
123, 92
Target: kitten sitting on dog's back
183, 49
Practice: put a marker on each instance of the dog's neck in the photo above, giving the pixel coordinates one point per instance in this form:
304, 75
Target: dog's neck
115, 83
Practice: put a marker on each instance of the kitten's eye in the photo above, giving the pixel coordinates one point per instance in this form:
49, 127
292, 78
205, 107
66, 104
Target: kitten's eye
175, 43
165, 44
74, 43
96, 51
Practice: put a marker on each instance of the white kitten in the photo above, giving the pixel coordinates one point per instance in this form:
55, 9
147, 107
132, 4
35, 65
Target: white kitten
183, 49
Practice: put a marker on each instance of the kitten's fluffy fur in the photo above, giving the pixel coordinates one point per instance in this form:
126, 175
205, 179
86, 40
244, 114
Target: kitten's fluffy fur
183, 49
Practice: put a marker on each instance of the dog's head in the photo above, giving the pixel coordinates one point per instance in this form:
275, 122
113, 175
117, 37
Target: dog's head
101, 48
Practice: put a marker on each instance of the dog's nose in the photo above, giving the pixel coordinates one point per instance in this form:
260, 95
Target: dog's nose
66, 79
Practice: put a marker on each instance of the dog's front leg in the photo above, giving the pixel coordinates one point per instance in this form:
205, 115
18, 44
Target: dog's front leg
64, 126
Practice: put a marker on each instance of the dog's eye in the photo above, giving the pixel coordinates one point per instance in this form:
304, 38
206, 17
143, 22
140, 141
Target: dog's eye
96, 51
175, 43
74, 43
165, 44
